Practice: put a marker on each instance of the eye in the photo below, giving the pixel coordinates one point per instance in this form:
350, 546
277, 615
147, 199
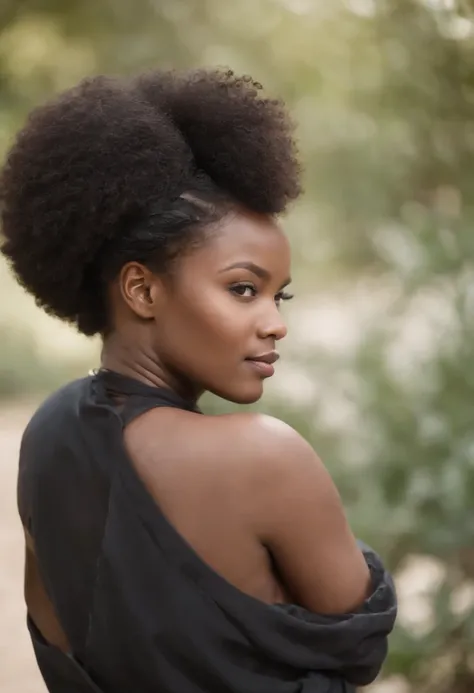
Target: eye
243, 290
283, 296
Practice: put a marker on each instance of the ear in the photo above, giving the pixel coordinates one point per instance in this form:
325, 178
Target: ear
140, 289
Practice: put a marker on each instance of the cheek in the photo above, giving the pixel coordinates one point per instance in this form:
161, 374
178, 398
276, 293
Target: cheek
206, 323
221, 320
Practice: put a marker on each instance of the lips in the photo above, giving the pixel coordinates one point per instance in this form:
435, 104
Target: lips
269, 358
263, 364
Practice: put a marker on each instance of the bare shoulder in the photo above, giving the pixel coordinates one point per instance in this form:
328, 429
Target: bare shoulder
253, 438
297, 514
265, 441
261, 471
252, 432
265, 457
257, 448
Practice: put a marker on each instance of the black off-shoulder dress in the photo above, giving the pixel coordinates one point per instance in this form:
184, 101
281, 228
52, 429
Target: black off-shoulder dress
141, 611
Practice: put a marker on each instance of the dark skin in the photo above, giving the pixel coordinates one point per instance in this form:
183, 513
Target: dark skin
245, 490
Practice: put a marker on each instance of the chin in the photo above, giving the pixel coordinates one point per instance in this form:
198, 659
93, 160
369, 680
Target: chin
246, 397
242, 395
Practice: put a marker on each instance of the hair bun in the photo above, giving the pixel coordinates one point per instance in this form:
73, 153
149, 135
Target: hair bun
242, 140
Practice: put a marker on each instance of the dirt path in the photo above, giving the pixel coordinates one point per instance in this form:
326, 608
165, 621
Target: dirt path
18, 671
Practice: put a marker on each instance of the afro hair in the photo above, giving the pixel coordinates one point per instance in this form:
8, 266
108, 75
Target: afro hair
96, 178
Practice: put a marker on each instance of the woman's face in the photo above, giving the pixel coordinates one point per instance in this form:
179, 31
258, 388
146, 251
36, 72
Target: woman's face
220, 311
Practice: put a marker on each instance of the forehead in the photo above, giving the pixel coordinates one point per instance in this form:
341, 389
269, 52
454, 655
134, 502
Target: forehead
246, 237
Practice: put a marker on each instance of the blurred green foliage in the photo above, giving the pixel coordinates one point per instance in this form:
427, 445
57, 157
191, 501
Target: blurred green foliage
383, 91
24, 370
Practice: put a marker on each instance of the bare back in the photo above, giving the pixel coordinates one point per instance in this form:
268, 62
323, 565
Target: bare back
204, 492
255, 502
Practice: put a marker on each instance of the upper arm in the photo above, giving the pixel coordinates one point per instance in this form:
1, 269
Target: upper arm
300, 519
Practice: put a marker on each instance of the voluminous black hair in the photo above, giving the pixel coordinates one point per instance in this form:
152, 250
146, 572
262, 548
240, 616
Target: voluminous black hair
116, 170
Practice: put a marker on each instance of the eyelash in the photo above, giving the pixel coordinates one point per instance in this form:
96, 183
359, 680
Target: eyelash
280, 296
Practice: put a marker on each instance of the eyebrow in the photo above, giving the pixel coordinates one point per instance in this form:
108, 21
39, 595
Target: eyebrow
255, 269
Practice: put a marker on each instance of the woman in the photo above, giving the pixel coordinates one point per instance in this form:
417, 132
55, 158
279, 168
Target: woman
167, 550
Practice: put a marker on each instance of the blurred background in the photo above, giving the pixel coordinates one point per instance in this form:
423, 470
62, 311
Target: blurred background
379, 366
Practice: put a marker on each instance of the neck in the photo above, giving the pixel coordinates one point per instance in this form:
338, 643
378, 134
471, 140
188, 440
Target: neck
141, 363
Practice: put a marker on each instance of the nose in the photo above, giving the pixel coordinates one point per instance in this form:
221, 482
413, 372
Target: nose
273, 326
